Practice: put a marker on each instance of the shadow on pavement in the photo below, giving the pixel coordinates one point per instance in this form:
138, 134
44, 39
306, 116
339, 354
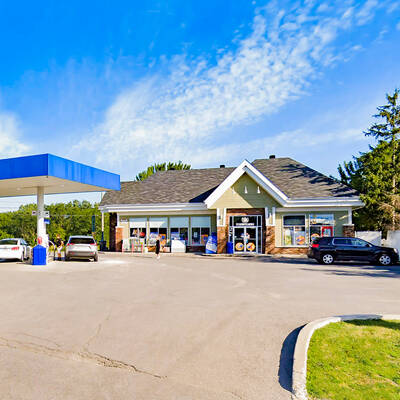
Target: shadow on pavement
286, 359
274, 260
371, 271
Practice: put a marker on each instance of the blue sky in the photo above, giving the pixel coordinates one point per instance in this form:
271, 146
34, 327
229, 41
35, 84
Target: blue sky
120, 85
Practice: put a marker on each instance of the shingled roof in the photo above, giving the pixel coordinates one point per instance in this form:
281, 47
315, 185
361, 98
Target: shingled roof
183, 186
297, 180
195, 185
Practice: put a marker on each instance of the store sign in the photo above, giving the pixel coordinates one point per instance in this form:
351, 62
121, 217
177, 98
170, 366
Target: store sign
244, 221
321, 219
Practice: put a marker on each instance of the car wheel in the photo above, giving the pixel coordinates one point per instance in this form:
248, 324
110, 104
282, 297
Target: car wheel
385, 259
67, 258
96, 258
327, 259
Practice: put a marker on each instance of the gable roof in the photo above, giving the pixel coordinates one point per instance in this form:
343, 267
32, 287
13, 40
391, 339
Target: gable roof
246, 168
294, 179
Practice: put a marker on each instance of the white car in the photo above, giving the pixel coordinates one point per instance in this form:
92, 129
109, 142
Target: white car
14, 248
81, 247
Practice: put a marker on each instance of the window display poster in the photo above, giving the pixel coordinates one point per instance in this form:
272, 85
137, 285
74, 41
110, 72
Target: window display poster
321, 219
163, 239
327, 231
300, 238
288, 237
175, 235
203, 239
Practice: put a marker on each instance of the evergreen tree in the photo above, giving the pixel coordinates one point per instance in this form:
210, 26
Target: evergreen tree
376, 173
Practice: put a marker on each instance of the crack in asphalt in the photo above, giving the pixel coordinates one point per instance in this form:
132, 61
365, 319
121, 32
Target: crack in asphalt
88, 356
96, 334
84, 355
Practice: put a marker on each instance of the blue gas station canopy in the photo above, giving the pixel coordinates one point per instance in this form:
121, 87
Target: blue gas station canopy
21, 176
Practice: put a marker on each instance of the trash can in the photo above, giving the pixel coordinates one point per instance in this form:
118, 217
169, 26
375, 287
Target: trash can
229, 248
39, 255
211, 245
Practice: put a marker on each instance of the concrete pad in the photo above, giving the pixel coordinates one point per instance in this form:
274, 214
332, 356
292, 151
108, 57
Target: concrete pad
175, 328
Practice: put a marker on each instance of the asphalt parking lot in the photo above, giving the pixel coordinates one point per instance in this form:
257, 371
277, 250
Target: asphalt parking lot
177, 328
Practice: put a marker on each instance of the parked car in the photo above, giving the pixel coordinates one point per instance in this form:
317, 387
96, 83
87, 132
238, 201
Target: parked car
327, 250
81, 247
14, 248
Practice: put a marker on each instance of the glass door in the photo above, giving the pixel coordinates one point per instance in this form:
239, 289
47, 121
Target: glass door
238, 240
251, 240
245, 240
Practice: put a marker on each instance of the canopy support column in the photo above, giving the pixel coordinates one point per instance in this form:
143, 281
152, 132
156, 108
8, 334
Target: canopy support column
41, 227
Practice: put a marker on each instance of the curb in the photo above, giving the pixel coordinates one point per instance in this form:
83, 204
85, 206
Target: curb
299, 376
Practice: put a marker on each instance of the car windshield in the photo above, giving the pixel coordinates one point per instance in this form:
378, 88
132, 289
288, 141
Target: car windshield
8, 241
81, 240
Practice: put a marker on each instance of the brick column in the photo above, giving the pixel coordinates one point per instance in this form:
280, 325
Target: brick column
113, 224
348, 230
222, 239
119, 233
269, 239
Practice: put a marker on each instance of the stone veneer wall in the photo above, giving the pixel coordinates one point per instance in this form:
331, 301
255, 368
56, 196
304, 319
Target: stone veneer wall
269, 239
113, 224
222, 239
119, 235
348, 230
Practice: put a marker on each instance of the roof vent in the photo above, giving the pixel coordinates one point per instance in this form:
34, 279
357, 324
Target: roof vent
222, 166
272, 156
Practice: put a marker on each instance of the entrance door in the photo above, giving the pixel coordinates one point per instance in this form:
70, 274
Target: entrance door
252, 240
238, 240
245, 240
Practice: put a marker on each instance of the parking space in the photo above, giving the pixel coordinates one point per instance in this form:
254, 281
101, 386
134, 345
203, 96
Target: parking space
176, 328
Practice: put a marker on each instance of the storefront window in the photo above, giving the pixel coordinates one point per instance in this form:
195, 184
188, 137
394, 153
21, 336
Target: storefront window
158, 232
138, 233
200, 236
321, 225
294, 230
179, 233
200, 228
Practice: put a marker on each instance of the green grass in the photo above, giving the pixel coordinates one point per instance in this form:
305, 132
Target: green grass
355, 360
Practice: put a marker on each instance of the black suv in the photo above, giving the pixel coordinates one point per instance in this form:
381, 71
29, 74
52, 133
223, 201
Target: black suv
327, 250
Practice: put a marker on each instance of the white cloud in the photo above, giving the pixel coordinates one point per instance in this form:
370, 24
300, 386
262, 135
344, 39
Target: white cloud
291, 143
177, 116
367, 12
10, 144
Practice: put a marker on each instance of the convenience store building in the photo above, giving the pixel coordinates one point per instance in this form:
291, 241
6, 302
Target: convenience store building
271, 206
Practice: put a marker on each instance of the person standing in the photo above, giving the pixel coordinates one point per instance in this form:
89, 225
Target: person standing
158, 247
59, 245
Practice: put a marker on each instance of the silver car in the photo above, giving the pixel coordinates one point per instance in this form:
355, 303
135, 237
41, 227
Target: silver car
81, 247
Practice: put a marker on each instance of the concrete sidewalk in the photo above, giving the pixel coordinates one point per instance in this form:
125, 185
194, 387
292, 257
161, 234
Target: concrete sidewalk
175, 328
